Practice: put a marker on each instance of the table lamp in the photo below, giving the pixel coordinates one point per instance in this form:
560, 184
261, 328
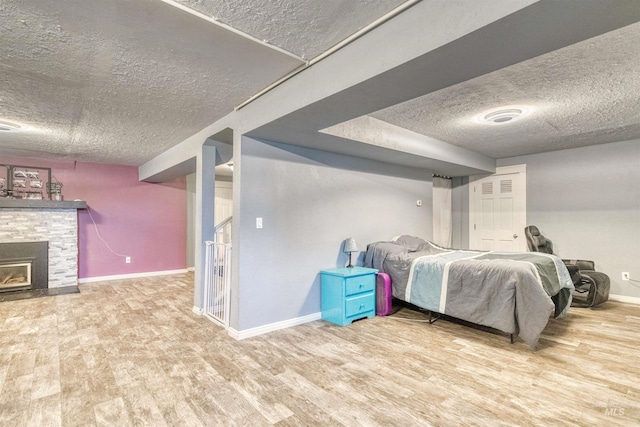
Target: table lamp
350, 246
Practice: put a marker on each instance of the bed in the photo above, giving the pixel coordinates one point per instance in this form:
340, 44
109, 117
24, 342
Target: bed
514, 292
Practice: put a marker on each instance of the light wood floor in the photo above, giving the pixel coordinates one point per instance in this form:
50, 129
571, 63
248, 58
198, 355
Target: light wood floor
133, 353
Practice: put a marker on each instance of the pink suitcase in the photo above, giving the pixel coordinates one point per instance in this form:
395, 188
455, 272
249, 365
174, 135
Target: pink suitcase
384, 295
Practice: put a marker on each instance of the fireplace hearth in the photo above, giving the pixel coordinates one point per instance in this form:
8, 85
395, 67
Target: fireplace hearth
24, 266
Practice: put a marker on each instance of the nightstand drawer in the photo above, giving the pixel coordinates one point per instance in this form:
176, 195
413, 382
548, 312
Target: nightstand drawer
361, 304
359, 284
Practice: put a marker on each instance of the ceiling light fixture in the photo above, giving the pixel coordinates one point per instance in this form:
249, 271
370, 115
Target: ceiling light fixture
503, 115
7, 126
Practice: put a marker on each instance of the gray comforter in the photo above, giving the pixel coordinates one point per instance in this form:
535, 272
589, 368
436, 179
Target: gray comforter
513, 292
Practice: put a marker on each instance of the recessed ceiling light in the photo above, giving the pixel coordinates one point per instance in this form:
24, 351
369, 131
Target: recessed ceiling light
503, 115
7, 126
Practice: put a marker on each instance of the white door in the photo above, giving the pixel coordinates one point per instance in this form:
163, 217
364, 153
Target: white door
497, 210
223, 202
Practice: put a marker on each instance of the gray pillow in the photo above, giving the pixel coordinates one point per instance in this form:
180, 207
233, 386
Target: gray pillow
412, 243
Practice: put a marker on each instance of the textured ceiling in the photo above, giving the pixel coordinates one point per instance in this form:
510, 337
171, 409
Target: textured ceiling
120, 81
584, 94
304, 27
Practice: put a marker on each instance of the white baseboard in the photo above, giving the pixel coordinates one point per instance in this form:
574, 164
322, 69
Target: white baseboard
197, 310
131, 276
191, 269
248, 333
623, 298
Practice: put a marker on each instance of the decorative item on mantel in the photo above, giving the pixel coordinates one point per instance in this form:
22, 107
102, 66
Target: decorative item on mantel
350, 246
28, 182
5, 191
55, 190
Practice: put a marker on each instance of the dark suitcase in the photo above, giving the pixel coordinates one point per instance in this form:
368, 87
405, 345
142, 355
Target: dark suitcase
384, 294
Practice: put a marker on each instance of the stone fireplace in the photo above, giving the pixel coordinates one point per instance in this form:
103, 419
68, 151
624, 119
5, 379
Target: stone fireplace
52, 225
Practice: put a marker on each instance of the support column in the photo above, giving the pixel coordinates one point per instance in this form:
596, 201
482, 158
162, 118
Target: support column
234, 320
204, 221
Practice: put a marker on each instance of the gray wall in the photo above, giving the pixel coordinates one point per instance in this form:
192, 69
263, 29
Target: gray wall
460, 212
587, 201
310, 201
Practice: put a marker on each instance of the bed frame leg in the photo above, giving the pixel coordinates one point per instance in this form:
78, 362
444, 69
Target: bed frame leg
432, 319
511, 337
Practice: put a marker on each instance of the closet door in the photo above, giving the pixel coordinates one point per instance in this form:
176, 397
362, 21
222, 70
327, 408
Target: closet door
497, 208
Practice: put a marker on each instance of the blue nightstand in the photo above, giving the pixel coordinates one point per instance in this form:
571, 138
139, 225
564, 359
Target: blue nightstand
348, 294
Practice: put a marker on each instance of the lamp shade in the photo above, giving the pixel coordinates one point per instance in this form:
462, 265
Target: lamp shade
350, 245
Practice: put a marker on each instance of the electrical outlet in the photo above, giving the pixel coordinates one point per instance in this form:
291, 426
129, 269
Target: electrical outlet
128, 260
625, 276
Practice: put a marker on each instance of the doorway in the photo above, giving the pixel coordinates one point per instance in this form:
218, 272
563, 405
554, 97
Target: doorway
223, 205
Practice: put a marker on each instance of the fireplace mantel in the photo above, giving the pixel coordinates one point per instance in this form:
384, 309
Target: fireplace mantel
42, 204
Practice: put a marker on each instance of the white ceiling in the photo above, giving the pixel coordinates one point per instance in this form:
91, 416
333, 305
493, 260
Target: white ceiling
584, 94
304, 27
121, 81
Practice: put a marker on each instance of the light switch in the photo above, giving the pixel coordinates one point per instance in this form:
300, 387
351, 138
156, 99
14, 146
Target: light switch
258, 222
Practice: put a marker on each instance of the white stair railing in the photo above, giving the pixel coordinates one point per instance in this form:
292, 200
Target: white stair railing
223, 231
218, 275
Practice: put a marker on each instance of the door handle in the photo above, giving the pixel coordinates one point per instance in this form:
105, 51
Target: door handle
515, 236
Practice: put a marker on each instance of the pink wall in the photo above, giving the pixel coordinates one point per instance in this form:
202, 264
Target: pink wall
147, 222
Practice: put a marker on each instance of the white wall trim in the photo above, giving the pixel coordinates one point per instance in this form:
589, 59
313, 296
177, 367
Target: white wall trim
198, 311
624, 298
131, 276
248, 333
